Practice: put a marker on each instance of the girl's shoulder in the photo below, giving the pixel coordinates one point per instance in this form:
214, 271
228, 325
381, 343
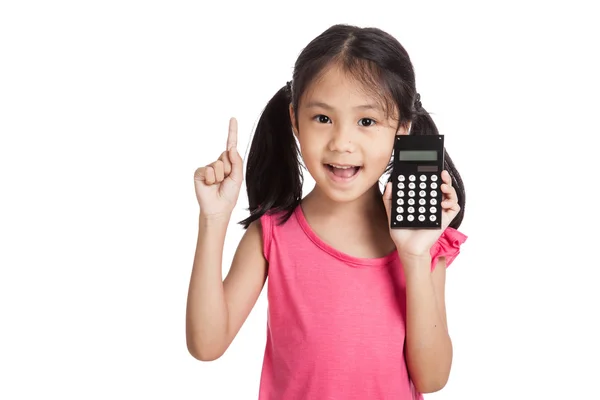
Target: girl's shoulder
274, 222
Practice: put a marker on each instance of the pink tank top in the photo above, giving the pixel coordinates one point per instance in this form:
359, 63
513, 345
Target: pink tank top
335, 324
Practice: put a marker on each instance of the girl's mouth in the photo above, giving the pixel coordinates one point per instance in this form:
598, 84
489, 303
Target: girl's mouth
342, 173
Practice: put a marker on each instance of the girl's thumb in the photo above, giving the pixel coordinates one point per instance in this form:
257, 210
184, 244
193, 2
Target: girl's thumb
387, 198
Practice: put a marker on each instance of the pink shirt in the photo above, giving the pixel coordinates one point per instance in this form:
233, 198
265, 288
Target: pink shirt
335, 325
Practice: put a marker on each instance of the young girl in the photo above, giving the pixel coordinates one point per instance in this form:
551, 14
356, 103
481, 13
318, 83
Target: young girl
356, 309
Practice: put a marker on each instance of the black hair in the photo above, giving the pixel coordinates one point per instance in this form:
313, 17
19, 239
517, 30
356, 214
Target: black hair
375, 58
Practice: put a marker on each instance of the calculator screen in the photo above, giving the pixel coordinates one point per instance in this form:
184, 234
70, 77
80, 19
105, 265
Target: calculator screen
418, 155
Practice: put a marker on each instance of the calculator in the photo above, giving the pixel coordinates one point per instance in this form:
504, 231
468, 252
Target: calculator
416, 178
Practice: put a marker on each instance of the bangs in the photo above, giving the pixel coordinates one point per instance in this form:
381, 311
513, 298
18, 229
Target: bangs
372, 81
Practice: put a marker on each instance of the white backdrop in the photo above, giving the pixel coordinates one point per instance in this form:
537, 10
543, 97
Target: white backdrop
107, 108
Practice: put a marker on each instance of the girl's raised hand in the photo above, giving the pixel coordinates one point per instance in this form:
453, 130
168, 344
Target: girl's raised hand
218, 184
418, 242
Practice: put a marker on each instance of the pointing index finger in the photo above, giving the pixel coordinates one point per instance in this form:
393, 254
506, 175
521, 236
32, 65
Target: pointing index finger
232, 136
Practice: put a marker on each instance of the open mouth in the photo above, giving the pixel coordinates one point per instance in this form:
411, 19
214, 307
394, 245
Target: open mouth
342, 172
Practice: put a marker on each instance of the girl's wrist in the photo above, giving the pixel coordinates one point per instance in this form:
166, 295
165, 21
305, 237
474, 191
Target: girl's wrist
415, 263
414, 257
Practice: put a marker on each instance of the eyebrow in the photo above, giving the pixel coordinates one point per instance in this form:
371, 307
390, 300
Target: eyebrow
326, 106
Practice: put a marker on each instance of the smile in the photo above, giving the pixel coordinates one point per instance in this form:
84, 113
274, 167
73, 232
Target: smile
342, 173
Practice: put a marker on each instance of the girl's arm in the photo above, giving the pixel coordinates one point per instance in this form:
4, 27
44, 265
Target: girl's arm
217, 308
428, 344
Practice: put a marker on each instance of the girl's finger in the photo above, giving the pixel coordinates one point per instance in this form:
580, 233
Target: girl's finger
232, 135
449, 203
449, 192
450, 197
447, 189
199, 174
209, 176
219, 170
387, 197
446, 178
226, 163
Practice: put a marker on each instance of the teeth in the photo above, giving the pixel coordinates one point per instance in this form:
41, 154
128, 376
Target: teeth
340, 166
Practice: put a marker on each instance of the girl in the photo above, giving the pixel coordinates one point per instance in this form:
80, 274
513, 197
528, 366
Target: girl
356, 309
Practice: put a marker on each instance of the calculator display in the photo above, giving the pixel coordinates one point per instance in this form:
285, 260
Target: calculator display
418, 155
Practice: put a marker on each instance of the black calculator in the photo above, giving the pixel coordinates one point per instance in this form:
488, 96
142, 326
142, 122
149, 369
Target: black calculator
416, 178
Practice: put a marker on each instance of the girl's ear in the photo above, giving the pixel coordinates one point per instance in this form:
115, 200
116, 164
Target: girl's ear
293, 119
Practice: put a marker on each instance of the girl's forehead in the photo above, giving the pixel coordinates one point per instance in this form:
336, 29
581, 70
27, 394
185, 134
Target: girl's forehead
355, 89
340, 88
335, 80
346, 98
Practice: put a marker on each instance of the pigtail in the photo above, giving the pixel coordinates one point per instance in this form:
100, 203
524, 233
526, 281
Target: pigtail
422, 124
273, 173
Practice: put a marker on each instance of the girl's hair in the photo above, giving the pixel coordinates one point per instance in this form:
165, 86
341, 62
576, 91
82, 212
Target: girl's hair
371, 56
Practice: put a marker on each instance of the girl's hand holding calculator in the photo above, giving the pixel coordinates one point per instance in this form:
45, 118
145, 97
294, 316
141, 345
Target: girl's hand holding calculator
419, 200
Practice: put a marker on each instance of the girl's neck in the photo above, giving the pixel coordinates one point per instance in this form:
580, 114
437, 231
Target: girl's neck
368, 208
358, 228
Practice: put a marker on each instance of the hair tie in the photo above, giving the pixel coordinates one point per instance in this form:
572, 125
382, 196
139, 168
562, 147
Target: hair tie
288, 87
418, 104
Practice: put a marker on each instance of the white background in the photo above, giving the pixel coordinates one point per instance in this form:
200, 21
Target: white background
107, 108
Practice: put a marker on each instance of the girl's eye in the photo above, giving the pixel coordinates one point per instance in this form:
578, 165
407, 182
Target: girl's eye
322, 118
369, 121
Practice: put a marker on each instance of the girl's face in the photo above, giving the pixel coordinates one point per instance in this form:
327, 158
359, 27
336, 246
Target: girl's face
345, 138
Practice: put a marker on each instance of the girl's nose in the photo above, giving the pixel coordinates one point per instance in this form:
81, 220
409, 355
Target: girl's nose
341, 140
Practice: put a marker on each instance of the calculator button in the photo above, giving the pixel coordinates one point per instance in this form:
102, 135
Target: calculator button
422, 193
410, 217
422, 210
400, 185
400, 210
423, 185
423, 178
411, 201
412, 178
422, 202
421, 218
411, 193
432, 217
433, 201
411, 185
411, 210
433, 193
400, 202
433, 185
400, 193
434, 178
401, 178
432, 210
399, 217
